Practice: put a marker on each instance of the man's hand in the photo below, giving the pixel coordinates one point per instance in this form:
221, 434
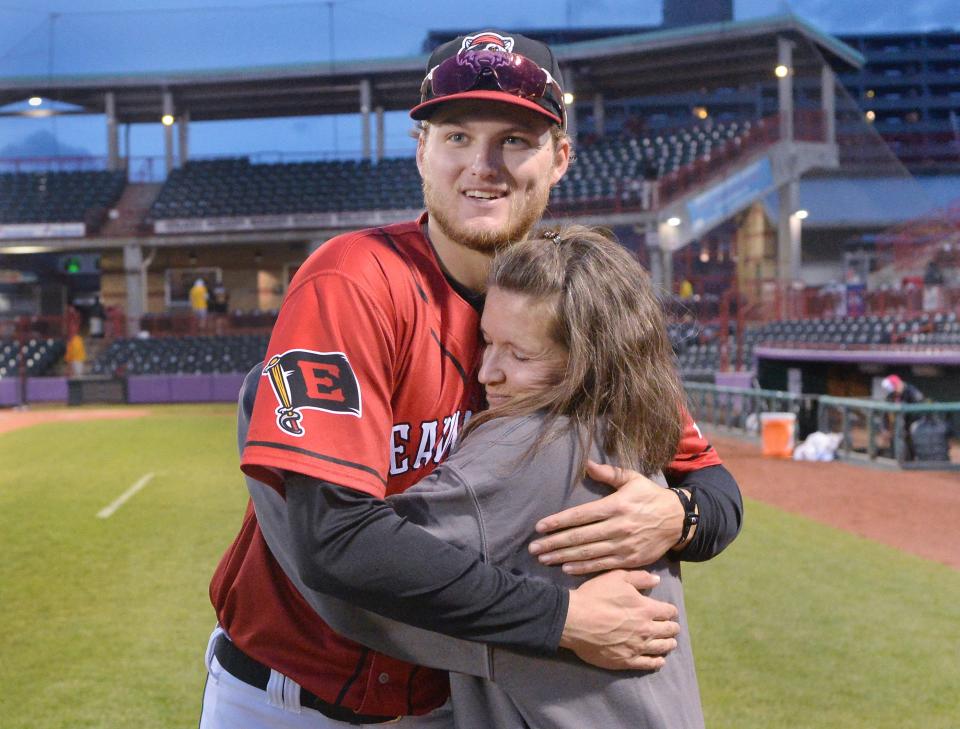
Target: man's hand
633, 527
610, 624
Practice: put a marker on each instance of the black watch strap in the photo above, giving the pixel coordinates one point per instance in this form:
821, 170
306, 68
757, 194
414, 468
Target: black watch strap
690, 515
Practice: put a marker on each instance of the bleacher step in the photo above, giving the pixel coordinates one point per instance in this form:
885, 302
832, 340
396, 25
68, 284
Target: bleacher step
132, 208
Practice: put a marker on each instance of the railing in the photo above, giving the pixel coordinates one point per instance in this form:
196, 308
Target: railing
808, 126
185, 323
25, 328
879, 430
85, 163
173, 324
739, 408
153, 168
765, 300
872, 430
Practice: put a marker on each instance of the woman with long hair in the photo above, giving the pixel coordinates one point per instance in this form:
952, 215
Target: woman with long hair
577, 367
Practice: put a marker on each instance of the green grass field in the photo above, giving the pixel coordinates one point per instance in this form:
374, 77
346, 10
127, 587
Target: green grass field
103, 622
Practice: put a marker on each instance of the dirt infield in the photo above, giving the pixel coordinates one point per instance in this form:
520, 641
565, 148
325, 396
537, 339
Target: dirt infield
916, 511
16, 419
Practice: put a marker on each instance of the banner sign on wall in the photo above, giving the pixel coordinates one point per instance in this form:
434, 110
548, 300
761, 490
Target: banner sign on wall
730, 195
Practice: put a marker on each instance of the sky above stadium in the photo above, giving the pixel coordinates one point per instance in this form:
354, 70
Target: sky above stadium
40, 37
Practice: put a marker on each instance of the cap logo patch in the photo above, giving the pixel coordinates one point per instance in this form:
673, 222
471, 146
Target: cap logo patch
306, 380
487, 42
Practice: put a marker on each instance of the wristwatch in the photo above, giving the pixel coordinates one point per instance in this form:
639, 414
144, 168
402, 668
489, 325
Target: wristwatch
690, 515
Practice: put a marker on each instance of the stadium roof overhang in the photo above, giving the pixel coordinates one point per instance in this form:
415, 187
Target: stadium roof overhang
662, 61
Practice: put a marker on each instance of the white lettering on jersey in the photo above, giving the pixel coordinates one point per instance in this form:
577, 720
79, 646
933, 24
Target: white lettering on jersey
428, 441
401, 432
451, 429
430, 448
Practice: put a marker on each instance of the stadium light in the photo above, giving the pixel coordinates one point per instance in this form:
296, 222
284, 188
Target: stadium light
700, 112
34, 101
871, 115
802, 214
674, 222
781, 71
568, 98
24, 250
167, 120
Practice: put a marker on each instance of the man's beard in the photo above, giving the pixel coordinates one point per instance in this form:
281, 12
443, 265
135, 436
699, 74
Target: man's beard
519, 223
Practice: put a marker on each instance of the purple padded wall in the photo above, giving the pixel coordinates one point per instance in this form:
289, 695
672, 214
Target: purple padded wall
226, 388
184, 388
9, 392
148, 388
47, 389
734, 379
191, 388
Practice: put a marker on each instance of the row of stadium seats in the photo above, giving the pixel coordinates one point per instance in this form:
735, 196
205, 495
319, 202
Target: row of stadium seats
699, 360
181, 355
698, 349
609, 168
58, 197
866, 330
651, 157
39, 356
231, 188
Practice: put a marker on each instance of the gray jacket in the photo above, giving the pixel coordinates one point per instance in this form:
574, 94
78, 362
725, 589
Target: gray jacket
485, 498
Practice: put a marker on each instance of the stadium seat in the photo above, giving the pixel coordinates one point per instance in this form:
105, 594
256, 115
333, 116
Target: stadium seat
38, 356
181, 355
612, 170
59, 197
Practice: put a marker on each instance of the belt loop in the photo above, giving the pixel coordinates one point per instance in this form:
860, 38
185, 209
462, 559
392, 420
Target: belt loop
283, 692
291, 694
211, 645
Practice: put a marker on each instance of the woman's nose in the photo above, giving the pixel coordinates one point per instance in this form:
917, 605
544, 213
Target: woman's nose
490, 371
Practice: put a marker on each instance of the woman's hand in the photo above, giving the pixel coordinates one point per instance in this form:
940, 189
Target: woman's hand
633, 527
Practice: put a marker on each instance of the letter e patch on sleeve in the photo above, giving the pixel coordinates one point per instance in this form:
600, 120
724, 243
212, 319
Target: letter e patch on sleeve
305, 380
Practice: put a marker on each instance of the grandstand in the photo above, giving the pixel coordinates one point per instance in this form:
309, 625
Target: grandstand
57, 203
636, 181
181, 355
234, 188
702, 158
619, 173
35, 356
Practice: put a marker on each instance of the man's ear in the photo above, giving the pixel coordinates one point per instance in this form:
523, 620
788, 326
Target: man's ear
421, 149
561, 160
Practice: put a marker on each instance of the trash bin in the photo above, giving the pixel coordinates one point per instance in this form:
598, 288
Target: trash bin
778, 434
929, 437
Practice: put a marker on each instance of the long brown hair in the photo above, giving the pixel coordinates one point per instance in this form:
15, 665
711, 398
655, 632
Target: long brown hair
620, 383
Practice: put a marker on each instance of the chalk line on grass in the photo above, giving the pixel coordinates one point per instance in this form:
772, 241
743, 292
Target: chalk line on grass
108, 511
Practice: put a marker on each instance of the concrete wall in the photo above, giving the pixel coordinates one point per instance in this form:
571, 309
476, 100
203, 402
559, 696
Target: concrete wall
239, 264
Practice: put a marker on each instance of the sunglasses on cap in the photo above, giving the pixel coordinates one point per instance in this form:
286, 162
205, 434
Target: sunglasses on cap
511, 73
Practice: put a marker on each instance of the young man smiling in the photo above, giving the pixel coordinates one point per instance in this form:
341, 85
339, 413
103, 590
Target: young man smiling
487, 174
369, 374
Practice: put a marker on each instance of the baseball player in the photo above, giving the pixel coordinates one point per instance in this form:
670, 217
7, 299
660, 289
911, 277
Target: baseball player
368, 378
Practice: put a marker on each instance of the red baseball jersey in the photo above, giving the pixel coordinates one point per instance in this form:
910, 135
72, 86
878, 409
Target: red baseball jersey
694, 451
368, 378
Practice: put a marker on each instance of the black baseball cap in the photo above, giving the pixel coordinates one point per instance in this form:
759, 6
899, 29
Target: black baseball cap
486, 86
